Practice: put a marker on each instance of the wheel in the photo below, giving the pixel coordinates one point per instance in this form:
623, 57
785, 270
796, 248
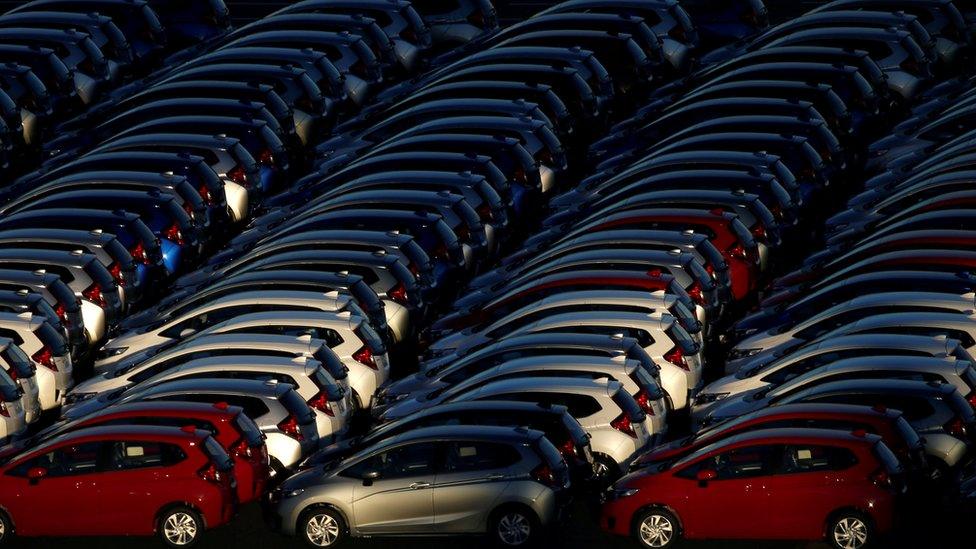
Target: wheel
605, 470
6, 529
322, 527
180, 527
513, 527
657, 528
849, 530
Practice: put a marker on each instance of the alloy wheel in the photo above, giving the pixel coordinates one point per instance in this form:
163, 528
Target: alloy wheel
850, 533
656, 530
514, 529
322, 530
180, 529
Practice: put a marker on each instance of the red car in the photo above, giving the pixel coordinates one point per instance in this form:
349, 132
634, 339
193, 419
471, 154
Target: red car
890, 425
120, 480
775, 484
237, 434
724, 229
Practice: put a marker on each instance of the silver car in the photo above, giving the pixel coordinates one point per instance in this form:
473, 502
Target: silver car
961, 327
504, 482
780, 340
351, 338
13, 418
48, 351
178, 323
759, 374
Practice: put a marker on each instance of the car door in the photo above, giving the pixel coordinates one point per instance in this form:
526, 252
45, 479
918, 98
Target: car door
728, 505
56, 504
135, 482
400, 499
473, 476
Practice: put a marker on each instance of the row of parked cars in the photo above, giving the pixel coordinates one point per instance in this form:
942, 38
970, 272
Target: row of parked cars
565, 219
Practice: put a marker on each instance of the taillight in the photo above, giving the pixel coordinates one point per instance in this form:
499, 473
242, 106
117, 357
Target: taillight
62, 313
205, 194
759, 232
211, 474
484, 212
94, 294
116, 271
441, 251
365, 356
398, 293
568, 448
676, 356
46, 358
290, 427
972, 399
321, 403
138, 253
881, 478
242, 449
3, 409
956, 428
266, 157
695, 292
173, 234
738, 251
622, 424
519, 175
463, 233
543, 474
13, 374
644, 401
238, 175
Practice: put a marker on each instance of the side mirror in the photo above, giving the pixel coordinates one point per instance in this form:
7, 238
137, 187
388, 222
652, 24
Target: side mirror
704, 476
35, 474
369, 477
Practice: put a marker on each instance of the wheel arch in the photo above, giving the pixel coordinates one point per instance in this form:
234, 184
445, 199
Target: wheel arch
324, 505
662, 506
842, 510
174, 505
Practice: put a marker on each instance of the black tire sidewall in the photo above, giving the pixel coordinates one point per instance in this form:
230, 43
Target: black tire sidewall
850, 514
496, 518
675, 526
166, 514
309, 513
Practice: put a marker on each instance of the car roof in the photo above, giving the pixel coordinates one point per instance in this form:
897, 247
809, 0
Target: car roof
466, 432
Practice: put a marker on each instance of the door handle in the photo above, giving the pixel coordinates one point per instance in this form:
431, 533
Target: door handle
419, 485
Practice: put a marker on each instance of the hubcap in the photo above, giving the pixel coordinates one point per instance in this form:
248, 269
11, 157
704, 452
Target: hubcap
3, 529
180, 529
322, 530
514, 529
851, 533
656, 531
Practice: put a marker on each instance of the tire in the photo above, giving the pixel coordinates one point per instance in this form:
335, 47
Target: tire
513, 526
6, 530
657, 528
180, 527
321, 527
606, 470
849, 530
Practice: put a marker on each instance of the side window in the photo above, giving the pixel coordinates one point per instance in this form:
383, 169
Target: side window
748, 462
129, 454
479, 456
253, 407
76, 459
405, 461
810, 459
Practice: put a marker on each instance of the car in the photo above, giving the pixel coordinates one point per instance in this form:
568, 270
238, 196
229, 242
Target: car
48, 352
52, 77
932, 324
21, 86
58, 296
102, 30
313, 504
285, 419
188, 22
12, 411
680, 499
180, 323
722, 21
171, 465
457, 22
236, 433
762, 373
891, 425
18, 367
616, 424
555, 421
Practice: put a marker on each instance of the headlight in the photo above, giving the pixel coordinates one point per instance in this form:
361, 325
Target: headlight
113, 351
707, 398
619, 493
293, 493
736, 354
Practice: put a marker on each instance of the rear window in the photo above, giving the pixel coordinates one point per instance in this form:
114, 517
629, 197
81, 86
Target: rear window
629, 406
549, 453
217, 454
250, 429
370, 337
324, 383
907, 432
51, 338
297, 407
887, 458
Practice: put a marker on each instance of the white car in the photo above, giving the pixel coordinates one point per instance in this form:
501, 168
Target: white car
619, 430
179, 323
15, 363
13, 418
350, 337
47, 349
